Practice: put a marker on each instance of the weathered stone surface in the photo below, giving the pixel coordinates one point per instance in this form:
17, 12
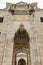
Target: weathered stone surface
9, 27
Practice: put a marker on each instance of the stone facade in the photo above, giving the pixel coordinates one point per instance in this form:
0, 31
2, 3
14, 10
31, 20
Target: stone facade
13, 16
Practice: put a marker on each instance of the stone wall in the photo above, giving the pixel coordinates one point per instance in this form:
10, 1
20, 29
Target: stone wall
33, 26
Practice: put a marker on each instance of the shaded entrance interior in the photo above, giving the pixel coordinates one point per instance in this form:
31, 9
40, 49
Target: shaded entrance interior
21, 62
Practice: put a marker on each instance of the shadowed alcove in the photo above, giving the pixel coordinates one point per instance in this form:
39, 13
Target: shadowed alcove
21, 38
21, 62
21, 50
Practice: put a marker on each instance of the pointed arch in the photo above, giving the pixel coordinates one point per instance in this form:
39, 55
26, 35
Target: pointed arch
21, 38
21, 45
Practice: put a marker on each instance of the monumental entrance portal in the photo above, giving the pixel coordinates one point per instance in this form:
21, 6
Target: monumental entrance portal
21, 49
21, 34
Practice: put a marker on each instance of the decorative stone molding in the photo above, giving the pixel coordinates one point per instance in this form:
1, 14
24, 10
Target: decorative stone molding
21, 8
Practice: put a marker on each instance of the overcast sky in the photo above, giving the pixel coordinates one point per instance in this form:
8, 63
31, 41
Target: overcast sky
3, 2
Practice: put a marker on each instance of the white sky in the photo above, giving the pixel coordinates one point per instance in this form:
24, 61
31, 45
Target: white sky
3, 2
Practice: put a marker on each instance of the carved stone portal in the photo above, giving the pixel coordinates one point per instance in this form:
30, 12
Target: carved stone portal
21, 51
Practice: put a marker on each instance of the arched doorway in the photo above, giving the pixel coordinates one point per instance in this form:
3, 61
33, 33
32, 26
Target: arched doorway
22, 54
21, 42
21, 62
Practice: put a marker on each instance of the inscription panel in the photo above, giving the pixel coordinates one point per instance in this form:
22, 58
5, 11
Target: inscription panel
21, 18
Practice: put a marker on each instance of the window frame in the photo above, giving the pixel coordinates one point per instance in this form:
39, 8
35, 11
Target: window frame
1, 19
41, 19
